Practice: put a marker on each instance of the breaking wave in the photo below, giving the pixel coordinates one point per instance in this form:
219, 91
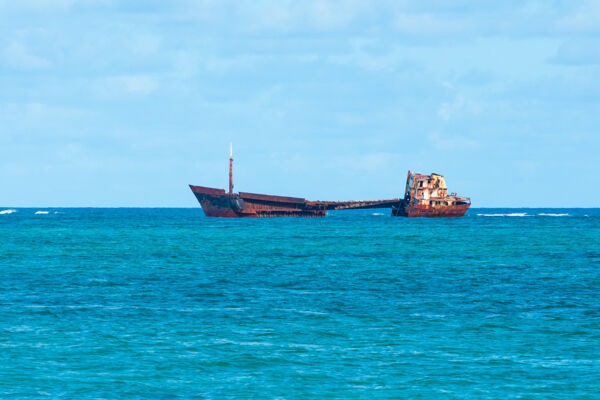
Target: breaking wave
377, 214
41, 212
506, 215
524, 215
8, 211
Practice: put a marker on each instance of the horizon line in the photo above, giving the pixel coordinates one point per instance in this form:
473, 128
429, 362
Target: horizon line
200, 208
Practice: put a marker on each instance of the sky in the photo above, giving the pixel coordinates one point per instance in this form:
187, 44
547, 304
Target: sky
107, 103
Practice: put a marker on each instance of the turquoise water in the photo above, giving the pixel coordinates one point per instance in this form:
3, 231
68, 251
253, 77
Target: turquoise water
165, 303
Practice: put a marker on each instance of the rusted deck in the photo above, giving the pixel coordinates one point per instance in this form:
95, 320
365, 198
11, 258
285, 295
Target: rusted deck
354, 204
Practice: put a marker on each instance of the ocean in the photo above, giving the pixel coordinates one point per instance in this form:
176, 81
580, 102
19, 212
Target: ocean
166, 303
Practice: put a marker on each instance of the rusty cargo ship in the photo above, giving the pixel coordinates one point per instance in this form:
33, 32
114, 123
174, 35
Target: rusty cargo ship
424, 196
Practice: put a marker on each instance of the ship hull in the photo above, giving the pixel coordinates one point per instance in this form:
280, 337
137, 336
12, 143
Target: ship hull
216, 206
218, 203
417, 210
425, 196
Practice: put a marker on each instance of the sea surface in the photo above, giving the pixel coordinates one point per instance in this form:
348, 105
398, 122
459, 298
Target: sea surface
166, 303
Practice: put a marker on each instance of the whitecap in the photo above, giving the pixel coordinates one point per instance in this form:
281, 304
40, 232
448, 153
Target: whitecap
553, 215
377, 214
40, 212
8, 211
505, 215
311, 312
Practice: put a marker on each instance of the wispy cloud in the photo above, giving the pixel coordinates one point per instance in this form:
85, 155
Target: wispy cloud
430, 24
38, 4
288, 16
17, 55
445, 142
580, 51
127, 84
585, 19
457, 107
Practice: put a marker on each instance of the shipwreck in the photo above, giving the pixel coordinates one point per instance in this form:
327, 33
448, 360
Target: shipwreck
424, 196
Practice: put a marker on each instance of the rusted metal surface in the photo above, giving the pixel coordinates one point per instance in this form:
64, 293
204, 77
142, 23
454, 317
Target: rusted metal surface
354, 204
271, 198
230, 168
214, 202
207, 190
217, 203
425, 196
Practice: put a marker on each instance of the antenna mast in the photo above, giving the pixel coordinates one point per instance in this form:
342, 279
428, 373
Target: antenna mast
230, 168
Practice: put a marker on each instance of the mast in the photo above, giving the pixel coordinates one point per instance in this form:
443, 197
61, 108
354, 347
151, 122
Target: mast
230, 168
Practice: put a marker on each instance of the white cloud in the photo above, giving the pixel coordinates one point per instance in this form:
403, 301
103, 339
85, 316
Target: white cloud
50, 5
373, 56
348, 118
145, 44
430, 24
280, 15
459, 106
527, 167
585, 20
369, 162
225, 64
19, 56
132, 84
578, 52
37, 4
445, 142
185, 64
448, 109
368, 61
326, 14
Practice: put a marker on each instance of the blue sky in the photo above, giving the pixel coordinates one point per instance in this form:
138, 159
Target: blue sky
123, 103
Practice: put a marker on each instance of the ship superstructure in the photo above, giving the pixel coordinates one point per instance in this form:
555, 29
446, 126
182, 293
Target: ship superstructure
427, 196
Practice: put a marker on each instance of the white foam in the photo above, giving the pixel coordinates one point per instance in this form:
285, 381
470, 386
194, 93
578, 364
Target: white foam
8, 211
553, 215
377, 213
506, 215
41, 212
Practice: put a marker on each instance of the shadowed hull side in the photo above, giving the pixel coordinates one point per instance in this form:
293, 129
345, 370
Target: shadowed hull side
215, 205
412, 210
218, 203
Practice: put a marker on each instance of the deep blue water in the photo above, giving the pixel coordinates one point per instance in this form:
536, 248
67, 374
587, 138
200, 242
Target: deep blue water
165, 303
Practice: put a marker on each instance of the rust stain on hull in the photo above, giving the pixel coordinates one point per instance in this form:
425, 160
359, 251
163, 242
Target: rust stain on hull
425, 196
217, 203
